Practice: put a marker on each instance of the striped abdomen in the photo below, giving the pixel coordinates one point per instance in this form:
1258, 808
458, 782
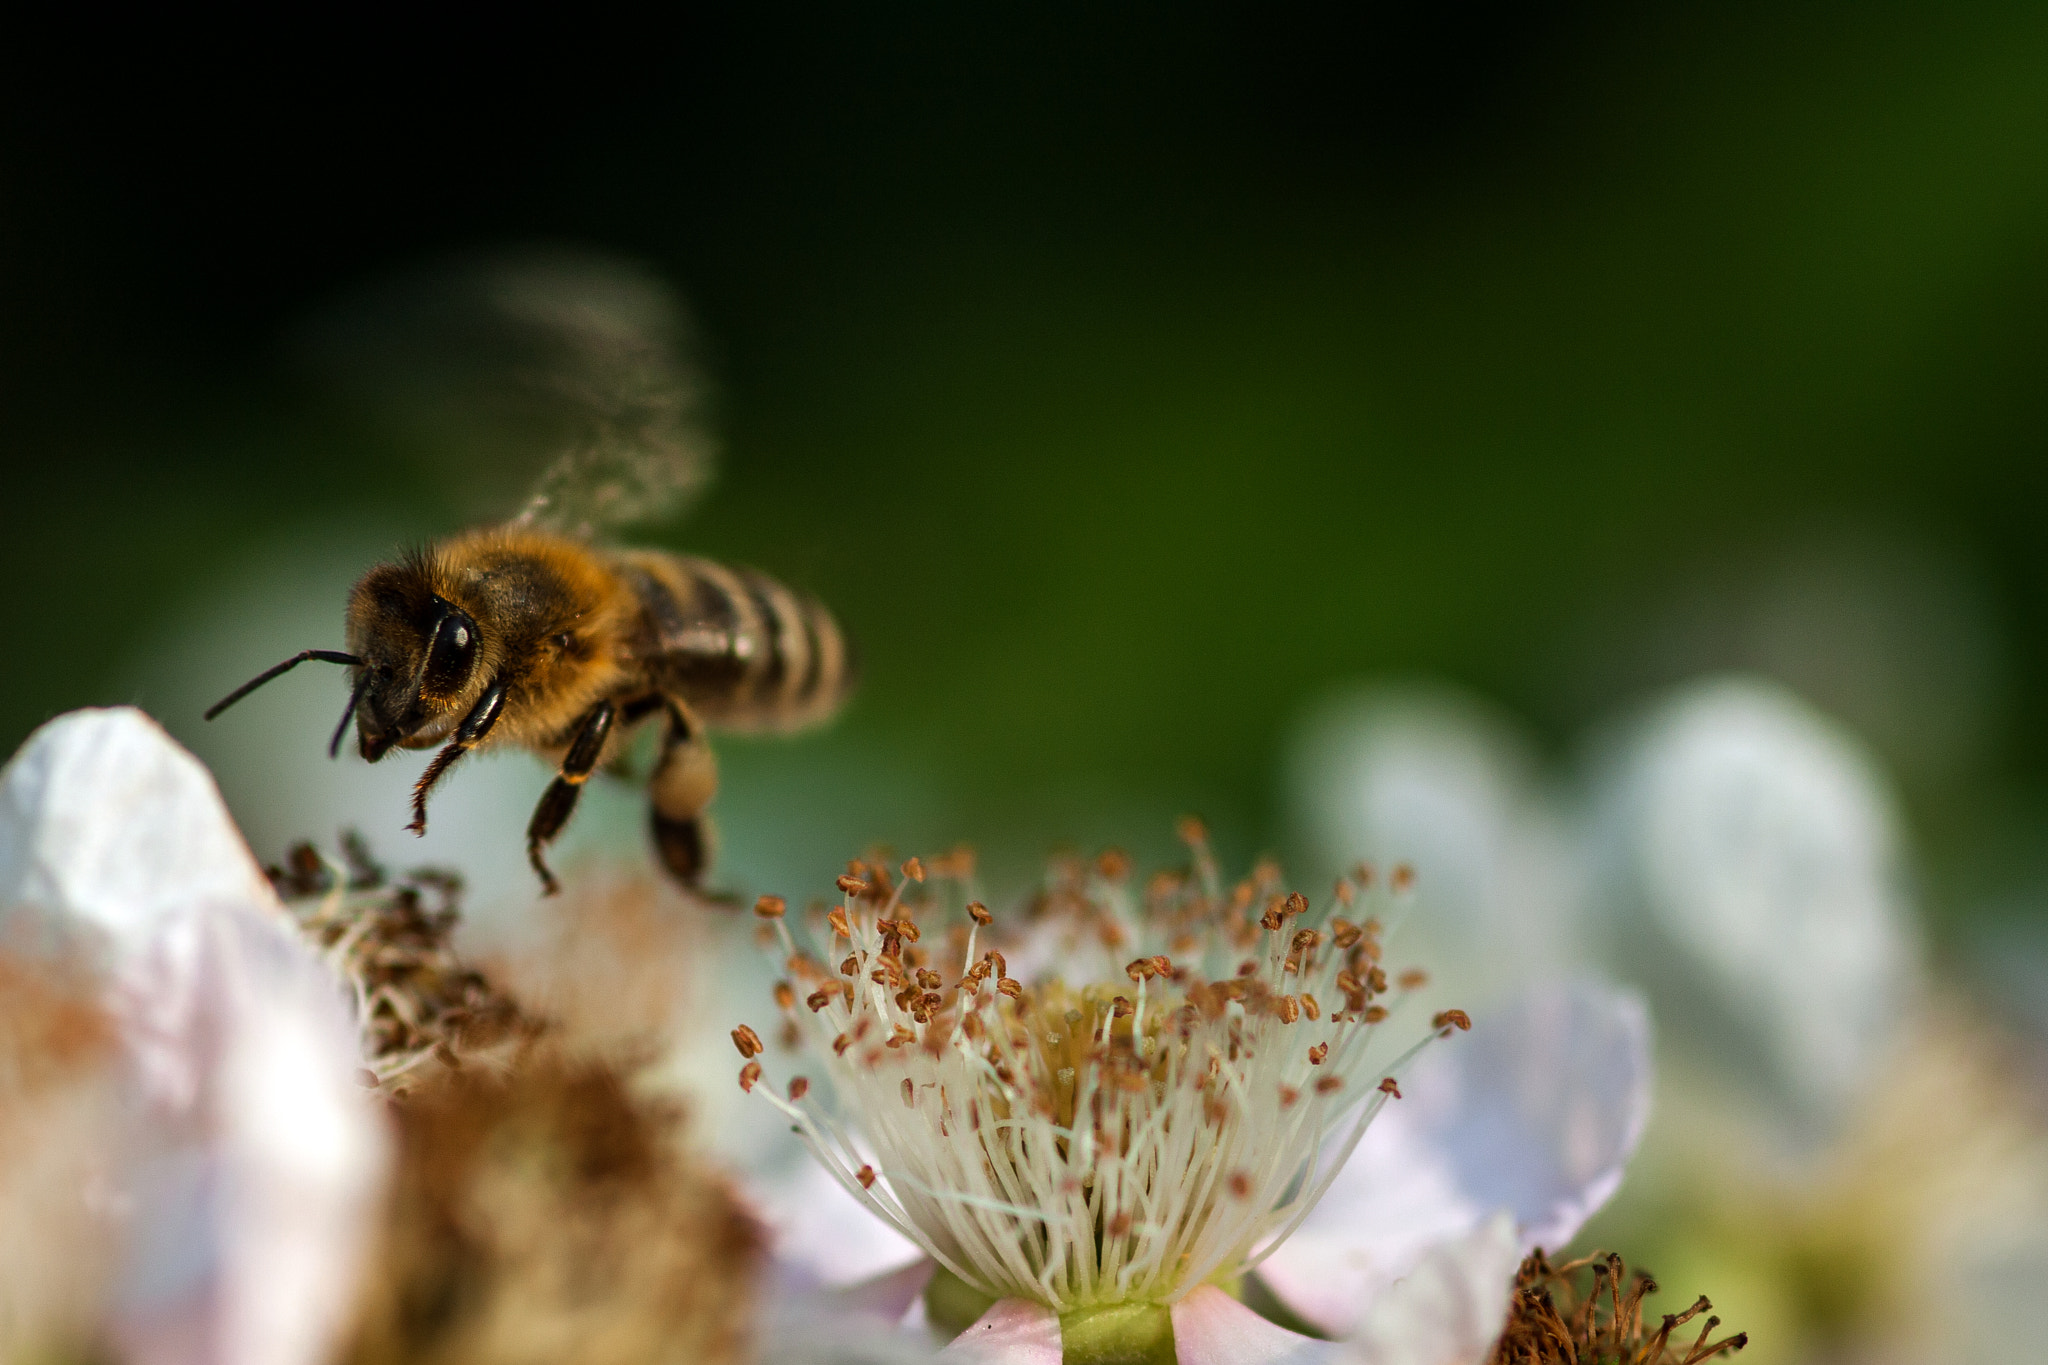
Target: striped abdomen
744, 651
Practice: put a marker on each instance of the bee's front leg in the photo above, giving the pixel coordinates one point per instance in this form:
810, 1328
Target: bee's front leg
468, 735
559, 801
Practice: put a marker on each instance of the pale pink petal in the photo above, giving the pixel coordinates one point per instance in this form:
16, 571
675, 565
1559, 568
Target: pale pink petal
1211, 1328
823, 1234
1011, 1332
253, 1159
1536, 1111
887, 1297
1448, 1310
255, 1192
106, 825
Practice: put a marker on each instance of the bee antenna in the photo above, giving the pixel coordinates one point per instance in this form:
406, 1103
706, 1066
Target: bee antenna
325, 656
355, 699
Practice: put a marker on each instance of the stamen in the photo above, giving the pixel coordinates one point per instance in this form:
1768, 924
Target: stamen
1099, 1142
1551, 1322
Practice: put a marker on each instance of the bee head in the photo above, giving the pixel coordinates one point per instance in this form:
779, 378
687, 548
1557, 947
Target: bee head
419, 653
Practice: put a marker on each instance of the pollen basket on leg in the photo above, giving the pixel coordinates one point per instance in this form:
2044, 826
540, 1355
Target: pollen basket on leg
1153, 1105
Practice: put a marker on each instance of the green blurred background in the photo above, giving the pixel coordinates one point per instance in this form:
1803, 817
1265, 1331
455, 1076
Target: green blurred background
1127, 379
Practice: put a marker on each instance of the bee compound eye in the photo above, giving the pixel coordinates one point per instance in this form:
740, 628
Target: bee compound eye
450, 655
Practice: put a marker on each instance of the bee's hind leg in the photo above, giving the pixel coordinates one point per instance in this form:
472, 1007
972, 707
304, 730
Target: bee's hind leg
684, 780
559, 801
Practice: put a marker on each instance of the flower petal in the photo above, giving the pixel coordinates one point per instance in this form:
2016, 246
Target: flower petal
1211, 1328
888, 1296
1755, 850
823, 1233
1448, 1310
1537, 1111
255, 1196
1011, 1332
254, 1158
106, 825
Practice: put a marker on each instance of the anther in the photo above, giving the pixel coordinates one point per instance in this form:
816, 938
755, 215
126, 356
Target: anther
913, 869
771, 907
837, 919
978, 912
1310, 1007
1317, 1053
840, 1044
852, 886
1403, 878
1271, 920
1192, 831
1010, 987
798, 1088
785, 995
747, 1041
1297, 904
1414, 979
749, 1073
1240, 1185
818, 999
909, 1093
1288, 1095
1389, 1086
866, 1176
1451, 1019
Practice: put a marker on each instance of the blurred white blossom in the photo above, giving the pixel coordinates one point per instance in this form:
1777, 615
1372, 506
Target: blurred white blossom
1753, 856
1435, 778
244, 1159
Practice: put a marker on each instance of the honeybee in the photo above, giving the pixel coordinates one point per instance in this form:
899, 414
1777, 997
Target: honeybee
540, 633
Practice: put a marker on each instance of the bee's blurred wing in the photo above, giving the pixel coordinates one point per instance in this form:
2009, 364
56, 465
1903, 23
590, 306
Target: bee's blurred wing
565, 373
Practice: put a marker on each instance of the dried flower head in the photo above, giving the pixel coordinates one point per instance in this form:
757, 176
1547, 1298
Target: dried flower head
1554, 1321
1116, 1139
550, 1214
417, 1003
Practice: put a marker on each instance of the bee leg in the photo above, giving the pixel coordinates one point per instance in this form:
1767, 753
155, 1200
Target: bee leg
559, 800
467, 736
682, 786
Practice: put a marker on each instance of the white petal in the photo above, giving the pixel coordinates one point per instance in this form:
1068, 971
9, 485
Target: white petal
1211, 1328
1536, 1111
255, 1198
1011, 1332
824, 1233
1450, 1309
1437, 778
1758, 845
254, 1159
106, 825
887, 1297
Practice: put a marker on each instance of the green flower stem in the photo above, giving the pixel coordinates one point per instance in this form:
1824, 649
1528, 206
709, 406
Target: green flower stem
1119, 1334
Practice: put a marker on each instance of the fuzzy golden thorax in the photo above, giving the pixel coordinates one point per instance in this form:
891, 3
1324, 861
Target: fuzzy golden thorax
438, 627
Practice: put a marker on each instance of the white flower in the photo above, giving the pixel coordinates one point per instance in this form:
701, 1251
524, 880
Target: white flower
248, 1160
1757, 846
1438, 778
1080, 1154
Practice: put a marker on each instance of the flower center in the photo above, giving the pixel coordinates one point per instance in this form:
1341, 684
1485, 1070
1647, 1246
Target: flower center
1119, 1141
